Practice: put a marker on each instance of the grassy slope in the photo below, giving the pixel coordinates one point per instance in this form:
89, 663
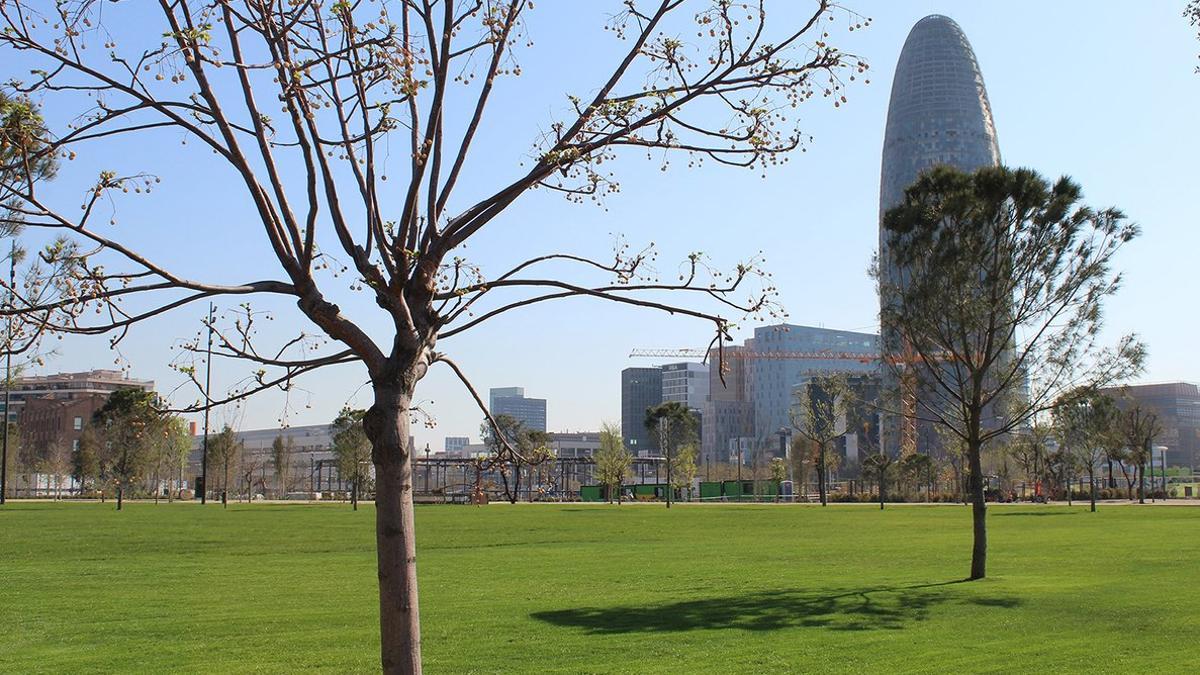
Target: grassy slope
578, 588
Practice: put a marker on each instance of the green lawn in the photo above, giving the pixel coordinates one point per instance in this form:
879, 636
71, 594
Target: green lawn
598, 588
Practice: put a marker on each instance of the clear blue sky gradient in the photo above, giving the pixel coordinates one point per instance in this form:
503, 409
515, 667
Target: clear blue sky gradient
1101, 90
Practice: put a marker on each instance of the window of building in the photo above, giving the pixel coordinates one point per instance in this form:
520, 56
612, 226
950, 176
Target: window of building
78, 424
75, 445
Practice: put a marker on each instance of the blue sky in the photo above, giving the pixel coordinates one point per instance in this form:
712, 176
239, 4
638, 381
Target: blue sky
1098, 90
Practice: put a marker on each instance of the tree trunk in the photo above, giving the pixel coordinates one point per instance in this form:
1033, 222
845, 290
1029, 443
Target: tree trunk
1141, 483
1092, 481
978, 513
120, 495
387, 426
354, 493
882, 486
822, 488
670, 483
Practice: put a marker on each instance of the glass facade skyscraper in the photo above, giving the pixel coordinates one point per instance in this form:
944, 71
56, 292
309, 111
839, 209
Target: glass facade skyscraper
641, 388
938, 114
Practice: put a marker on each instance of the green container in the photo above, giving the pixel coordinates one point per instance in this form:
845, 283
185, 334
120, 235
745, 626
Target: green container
710, 490
591, 493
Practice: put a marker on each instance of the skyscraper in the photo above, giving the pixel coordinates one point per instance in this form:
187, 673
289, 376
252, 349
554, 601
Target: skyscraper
511, 401
938, 114
641, 388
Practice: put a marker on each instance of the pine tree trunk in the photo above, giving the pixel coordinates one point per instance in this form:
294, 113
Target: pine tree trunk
978, 513
387, 426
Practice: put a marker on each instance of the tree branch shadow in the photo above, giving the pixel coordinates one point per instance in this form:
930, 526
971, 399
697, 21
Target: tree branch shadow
869, 608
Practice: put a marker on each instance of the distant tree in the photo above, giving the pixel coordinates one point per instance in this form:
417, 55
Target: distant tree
169, 451
683, 468
225, 451
804, 457
1028, 450
351, 449
250, 466
12, 458
612, 460
518, 451
129, 425
997, 291
1140, 426
176, 447
56, 464
877, 464
88, 468
281, 461
539, 457
675, 426
1087, 424
917, 469
818, 412
778, 472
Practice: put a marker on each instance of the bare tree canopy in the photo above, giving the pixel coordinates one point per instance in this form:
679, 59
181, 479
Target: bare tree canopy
1002, 278
298, 103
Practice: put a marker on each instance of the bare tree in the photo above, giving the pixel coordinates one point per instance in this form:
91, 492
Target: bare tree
347, 78
819, 410
56, 464
281, 461
999, 283
1087, 425
1140, 426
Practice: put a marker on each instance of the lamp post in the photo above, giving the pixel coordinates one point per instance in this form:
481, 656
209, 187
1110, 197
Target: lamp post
427, 468
12, 280
207, 406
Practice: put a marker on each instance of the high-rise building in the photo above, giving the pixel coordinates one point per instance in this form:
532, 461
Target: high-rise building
747, 411
685, 383
938, 114
771, 379
455, 445
511, 401
641, 388
1177, 405
728, 414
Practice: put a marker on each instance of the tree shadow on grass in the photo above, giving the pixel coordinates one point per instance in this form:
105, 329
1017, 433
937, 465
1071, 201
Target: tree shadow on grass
870, 608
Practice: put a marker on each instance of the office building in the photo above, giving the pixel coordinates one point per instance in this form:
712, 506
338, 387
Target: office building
780, 357
1177, 405
746, 412
641, 388
511, 401
685, 383
455, 445
69, 386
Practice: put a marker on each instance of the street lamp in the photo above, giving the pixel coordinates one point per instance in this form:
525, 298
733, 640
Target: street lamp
427, 468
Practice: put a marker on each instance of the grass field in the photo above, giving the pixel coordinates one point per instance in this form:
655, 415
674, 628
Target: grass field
597, 588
